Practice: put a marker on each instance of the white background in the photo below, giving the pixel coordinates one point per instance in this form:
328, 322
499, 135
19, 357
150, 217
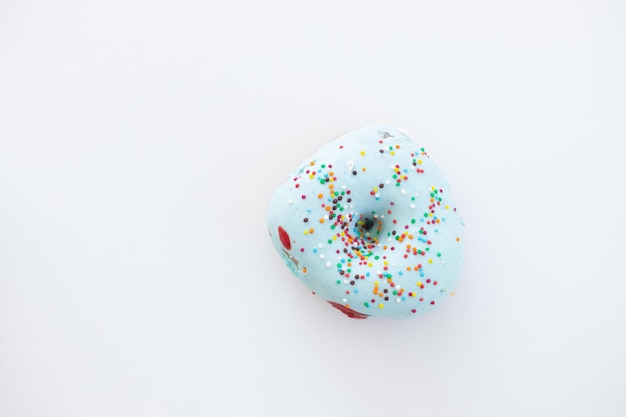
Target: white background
141, 141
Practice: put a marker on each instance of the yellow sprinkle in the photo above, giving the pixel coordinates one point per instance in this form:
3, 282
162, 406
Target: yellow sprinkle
335, 237
369, 264
385, 263
419, 162
419, 283
362, 153
447, 207
306, 232
392, 153
381, 305
430, 261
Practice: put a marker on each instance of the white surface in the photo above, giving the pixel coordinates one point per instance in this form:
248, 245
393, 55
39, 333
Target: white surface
140, 143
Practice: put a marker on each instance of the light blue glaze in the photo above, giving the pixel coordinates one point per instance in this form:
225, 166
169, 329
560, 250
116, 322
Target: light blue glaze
319, 264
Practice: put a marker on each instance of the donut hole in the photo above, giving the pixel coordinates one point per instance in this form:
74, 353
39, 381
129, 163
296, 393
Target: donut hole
367, 228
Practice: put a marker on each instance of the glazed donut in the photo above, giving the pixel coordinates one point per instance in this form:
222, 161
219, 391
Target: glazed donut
368, 225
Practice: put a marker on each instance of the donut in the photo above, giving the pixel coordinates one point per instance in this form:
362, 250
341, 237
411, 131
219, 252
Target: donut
368, 224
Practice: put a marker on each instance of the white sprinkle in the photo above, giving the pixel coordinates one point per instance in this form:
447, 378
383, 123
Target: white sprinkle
290, 202
412, 206
403, 192
443, 262
398, 300
387, 182
327, 264
345, 300
320, 245
322, 256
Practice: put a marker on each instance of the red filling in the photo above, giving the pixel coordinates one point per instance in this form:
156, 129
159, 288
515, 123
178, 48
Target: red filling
347, 311
284, 238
